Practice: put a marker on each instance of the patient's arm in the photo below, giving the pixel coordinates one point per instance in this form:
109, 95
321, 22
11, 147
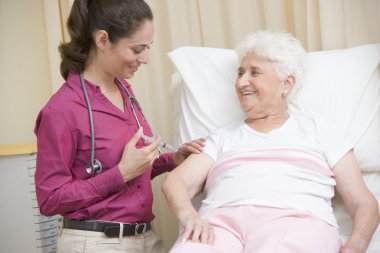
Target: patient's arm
180, 186
360, 202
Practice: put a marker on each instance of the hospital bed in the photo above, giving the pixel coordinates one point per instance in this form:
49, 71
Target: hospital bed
342, 84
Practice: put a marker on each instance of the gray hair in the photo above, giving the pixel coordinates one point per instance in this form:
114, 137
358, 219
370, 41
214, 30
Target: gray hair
284, 50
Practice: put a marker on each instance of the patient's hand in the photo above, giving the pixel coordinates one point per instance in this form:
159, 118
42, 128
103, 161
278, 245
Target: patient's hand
186, 149
196, 229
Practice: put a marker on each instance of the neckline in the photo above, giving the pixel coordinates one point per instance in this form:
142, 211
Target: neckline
271, 132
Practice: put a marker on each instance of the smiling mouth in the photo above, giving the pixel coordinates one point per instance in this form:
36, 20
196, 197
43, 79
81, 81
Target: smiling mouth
134, 68
245, 93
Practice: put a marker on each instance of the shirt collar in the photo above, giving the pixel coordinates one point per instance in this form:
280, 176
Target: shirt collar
73, 81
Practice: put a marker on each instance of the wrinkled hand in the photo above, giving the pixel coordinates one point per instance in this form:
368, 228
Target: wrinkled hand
186, 149
196, 229
135, 161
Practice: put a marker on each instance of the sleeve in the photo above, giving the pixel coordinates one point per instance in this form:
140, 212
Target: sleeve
165, 162
162, 164
333, 141
58, 192
213, 144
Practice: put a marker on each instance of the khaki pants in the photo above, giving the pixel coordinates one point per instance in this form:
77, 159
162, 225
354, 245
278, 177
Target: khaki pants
79, 241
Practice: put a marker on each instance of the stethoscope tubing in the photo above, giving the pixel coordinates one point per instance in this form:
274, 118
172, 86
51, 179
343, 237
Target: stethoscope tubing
95, 165
92, 130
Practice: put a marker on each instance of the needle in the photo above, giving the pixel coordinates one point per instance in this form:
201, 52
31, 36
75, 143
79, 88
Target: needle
162, 143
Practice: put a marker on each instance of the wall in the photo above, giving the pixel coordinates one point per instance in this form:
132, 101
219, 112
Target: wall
24, 69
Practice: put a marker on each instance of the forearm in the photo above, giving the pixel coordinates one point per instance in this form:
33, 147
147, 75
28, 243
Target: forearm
183, 183
359, 201
68, 195
365, 221
178, 197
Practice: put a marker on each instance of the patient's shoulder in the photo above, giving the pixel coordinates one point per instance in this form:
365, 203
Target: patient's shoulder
228, 128
309, 117
317, 124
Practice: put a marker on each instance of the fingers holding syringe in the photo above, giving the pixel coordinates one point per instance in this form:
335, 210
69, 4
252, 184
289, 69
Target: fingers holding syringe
151, 143
135, 161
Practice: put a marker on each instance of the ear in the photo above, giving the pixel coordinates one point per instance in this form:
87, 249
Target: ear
101, 40
290, 81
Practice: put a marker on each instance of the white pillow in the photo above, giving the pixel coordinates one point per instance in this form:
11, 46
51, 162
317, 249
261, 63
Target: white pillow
203, 92
343, 84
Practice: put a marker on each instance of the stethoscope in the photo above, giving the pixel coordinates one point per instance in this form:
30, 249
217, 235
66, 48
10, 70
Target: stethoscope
95, 166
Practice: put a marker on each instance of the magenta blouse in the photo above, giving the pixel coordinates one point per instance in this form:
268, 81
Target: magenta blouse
64, 149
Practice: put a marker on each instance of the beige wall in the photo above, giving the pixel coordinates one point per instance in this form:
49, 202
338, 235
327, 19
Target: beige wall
24, 69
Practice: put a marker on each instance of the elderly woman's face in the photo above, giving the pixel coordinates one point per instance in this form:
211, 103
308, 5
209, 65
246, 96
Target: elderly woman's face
258, 87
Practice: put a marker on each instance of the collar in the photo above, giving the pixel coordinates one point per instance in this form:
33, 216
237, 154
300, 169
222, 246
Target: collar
73, 81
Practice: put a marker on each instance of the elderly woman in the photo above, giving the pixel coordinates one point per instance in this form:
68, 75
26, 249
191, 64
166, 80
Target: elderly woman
270, 178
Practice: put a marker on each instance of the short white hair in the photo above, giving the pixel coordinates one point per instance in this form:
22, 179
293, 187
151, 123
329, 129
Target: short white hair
281, 48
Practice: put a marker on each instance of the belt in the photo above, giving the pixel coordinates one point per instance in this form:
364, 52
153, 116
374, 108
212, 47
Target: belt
110, 229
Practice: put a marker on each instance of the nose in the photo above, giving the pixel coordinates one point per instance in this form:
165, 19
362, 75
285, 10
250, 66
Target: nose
242, 82
143, 57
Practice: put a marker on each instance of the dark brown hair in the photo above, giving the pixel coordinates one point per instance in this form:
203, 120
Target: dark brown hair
119, 18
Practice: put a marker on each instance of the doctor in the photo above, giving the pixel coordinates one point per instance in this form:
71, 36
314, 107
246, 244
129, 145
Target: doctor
93, 165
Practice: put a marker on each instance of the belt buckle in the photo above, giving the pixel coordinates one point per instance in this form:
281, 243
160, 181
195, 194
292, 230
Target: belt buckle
138, 226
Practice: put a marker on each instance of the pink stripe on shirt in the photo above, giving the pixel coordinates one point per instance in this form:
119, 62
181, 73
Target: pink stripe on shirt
296, 157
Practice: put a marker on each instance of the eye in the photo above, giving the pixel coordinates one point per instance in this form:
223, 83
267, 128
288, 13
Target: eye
137, 51
240, 73
254, 73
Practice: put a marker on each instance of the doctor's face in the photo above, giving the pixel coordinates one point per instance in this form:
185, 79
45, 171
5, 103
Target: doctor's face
127, 54
258, 87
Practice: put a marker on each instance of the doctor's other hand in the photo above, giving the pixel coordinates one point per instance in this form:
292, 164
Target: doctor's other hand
135, 161
188, 148
196, 229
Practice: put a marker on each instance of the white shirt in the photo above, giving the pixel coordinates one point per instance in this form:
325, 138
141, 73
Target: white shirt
289, 167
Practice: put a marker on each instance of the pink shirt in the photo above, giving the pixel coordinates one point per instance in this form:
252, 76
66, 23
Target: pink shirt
64, 148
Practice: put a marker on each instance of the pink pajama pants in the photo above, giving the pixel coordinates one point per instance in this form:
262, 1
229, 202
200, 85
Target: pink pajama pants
250, 229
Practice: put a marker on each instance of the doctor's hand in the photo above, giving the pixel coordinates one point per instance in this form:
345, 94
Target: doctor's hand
186, 149
135, 161
196, 229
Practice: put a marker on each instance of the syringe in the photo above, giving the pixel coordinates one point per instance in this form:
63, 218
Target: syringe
162, 143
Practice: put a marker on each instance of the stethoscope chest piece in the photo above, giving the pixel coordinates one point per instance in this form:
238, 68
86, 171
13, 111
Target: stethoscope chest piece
94, 167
